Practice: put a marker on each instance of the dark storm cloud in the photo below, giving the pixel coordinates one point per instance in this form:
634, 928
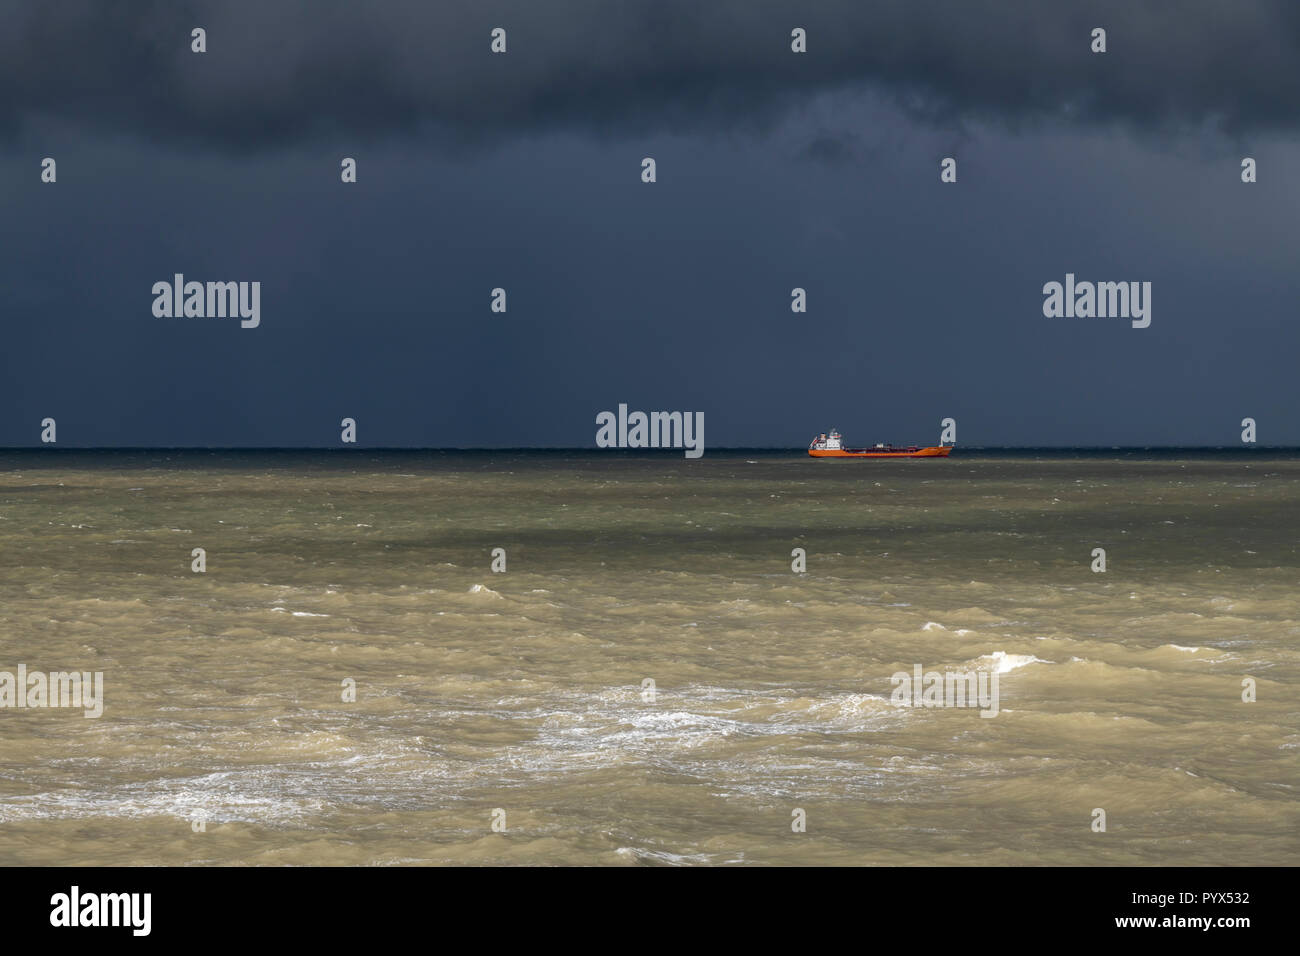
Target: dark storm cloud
283, 70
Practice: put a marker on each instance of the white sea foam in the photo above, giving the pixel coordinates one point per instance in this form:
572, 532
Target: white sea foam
246, 796
1010, 662
668, 859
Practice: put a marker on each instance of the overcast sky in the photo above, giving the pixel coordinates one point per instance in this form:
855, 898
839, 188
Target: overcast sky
522, 170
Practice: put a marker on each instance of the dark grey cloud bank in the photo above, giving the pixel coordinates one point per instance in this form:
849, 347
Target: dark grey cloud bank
775, 171
280, 70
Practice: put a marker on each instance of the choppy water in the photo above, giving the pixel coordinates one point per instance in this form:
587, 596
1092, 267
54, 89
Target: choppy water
523, 690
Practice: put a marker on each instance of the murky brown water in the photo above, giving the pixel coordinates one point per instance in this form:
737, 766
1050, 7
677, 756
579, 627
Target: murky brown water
523, 690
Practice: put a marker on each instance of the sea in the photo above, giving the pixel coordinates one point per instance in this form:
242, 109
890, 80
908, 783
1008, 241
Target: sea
371, 657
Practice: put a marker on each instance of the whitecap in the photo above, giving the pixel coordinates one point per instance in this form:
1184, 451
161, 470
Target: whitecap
1009, 662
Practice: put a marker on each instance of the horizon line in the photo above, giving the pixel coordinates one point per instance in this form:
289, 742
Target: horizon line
595, 450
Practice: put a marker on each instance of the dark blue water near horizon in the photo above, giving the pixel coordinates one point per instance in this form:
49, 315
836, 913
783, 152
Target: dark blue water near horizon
1162, 451
20, 458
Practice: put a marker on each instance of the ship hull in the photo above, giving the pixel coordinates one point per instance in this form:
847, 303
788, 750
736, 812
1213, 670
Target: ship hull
938, 451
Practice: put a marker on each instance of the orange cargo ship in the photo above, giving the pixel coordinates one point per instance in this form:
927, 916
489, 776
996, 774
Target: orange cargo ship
830, 446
